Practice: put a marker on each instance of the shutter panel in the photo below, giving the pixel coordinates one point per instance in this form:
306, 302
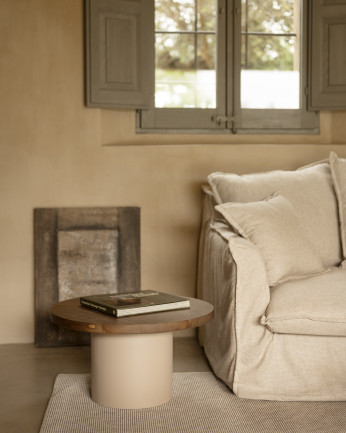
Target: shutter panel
119, 53
328, 55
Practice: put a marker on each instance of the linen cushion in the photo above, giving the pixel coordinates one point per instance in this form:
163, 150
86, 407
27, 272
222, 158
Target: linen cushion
338, 169
309, 189
273, 227
312, 306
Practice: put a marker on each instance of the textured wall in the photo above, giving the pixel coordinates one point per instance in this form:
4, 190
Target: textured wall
54, 152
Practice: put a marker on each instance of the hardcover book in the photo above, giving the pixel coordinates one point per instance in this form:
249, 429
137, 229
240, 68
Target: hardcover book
130, 304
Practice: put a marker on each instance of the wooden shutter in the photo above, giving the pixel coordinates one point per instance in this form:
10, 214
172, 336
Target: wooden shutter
328, 55
119, 53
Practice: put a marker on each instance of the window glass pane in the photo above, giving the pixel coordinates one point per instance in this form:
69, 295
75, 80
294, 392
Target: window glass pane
185, 52
266, 52
174, 51
206, 52
181, 78
270, 54
184, 89
271, 16
206, 14
173, 15
270, 89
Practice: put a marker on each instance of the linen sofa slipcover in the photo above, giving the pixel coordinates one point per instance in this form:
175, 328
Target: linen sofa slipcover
285, 340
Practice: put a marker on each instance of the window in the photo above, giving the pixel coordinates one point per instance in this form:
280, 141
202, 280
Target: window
221, 66
230, 66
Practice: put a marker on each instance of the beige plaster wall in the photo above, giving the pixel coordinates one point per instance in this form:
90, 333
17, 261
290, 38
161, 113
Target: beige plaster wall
55, 152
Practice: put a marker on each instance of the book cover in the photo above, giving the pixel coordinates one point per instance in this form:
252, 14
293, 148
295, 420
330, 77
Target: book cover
127, 304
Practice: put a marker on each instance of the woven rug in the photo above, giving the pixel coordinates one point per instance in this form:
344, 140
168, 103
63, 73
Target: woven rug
200, 404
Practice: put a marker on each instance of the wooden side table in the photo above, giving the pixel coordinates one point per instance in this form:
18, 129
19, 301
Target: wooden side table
131, 357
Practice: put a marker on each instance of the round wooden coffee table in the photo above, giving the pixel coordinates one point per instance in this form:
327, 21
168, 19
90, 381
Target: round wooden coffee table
131, 357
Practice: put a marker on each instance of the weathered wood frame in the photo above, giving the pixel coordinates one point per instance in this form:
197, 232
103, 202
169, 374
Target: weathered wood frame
47, 223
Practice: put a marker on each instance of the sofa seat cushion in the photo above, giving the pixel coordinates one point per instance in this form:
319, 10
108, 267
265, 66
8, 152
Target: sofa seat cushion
312, 306
309, 189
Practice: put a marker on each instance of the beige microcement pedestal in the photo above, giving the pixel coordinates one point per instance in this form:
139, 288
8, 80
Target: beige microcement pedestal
131, 371
131, 357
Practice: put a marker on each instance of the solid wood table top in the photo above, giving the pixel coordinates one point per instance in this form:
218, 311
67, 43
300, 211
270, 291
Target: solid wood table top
70, 314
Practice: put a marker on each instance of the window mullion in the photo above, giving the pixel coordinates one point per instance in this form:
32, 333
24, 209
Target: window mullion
195, 39
233, 62
221, 62
247, 35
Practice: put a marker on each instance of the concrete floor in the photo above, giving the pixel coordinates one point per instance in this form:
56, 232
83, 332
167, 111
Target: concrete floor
27, 376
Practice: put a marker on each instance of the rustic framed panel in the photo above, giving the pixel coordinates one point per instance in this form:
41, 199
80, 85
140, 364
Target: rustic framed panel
82, 251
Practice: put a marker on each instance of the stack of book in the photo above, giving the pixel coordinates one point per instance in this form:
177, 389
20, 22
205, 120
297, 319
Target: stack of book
130, 304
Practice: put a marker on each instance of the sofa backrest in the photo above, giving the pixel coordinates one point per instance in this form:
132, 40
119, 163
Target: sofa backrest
309, 189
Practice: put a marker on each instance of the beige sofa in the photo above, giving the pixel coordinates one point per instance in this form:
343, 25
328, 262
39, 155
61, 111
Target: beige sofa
272, 250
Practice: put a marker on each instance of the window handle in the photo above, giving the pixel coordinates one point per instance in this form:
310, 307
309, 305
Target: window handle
220, 119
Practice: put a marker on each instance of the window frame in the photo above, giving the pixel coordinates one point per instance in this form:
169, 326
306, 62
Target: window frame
180, 119
229, 117
283, 121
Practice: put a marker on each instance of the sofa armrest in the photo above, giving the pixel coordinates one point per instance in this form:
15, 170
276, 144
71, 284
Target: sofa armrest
232, 277
252, 288
227, 259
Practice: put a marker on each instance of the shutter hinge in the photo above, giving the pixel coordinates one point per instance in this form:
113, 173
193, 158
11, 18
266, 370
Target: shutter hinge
307, 91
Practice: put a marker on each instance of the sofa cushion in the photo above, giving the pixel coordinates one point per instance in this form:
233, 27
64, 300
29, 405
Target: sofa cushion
273, 227
338, 169
312, 306
309, 189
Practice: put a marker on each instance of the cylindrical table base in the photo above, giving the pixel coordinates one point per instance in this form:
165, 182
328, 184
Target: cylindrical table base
131, 371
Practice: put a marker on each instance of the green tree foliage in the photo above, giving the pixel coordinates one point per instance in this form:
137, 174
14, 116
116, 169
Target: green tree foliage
177, 49
263, 51
182, 18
